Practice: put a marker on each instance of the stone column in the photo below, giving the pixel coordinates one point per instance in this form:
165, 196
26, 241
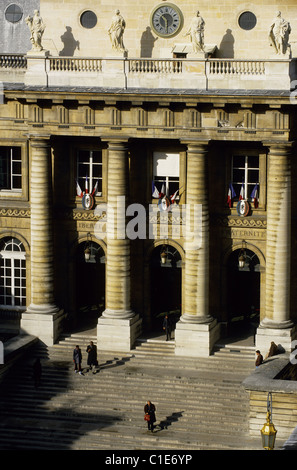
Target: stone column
119, 325
277, 326
42, 317
197, 331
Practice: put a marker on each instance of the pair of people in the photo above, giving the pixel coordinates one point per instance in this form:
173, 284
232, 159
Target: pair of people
92, 361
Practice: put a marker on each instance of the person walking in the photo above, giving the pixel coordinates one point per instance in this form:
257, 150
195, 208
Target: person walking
77, 358
167, 327
92, 357
150, 415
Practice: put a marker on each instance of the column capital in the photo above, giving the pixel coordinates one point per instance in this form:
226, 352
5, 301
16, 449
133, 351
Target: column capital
39, 140
279, 144
195, 143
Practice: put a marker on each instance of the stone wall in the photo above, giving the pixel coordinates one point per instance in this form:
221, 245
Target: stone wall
15, 37
64, 34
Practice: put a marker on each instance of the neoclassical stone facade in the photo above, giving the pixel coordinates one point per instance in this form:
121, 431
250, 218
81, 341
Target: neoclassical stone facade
88, 138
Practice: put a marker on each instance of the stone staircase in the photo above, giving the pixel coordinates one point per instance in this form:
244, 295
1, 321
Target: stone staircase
200, 403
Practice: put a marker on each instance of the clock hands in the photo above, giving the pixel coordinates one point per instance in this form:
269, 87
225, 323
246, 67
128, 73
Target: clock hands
166, 22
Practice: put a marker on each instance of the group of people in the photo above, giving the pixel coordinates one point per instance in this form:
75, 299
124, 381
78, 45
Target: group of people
92, 360
273, 350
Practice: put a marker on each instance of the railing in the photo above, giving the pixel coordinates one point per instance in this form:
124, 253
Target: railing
155, 66
148, 72
236, 67
71, 64
13, 61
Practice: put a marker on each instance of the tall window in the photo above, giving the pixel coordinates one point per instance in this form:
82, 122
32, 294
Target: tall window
89, 170
166, 172
12, 273
245, 174
10, 168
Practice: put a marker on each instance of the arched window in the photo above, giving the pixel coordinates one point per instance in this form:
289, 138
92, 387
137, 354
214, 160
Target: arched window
12, 273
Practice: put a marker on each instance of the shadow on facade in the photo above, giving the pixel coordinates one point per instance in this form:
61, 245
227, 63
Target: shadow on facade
70, 43
226, 48
147, 43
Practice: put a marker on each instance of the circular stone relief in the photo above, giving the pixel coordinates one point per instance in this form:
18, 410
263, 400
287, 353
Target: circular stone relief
88, 19
247, 20
13, 13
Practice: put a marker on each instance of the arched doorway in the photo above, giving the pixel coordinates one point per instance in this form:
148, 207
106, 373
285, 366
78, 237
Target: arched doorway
90, 282
12, 273
165, 282
243, 291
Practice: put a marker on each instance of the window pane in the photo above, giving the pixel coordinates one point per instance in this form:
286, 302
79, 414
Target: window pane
16, 182
4, 165
253, 176
165, 164
10, 168
239, 161
238, 176
253, 161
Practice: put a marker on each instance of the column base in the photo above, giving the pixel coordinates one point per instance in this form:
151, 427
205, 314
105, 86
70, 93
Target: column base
118, 334
281, 333
196, 339
45, 322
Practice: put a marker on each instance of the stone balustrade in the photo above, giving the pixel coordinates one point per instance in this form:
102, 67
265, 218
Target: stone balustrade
123, 72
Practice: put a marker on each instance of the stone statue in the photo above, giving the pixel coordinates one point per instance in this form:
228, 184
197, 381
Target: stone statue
196, 32
37, 28
279, 34
116, 32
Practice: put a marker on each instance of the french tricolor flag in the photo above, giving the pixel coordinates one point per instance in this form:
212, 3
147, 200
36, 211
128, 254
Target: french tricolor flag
241, 195
231, 195
255, 196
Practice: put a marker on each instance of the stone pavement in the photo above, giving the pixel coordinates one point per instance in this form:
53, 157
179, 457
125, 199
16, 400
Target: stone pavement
200, 403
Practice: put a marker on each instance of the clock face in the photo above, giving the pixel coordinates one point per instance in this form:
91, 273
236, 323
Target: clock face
166, 20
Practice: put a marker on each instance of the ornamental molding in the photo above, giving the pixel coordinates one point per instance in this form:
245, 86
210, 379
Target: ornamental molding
240, 222
20, 213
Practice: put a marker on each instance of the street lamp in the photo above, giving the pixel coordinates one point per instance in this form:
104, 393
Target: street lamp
268, 431
163, 255
87, 250
242, 256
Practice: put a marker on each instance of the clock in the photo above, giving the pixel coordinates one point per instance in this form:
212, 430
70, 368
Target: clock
166, 20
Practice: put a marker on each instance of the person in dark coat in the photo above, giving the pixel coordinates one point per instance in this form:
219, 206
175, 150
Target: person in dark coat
167, 327
150, 410
259, 358
92, 357
77, 358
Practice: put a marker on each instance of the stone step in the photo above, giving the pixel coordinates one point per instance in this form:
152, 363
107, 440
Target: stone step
105, 411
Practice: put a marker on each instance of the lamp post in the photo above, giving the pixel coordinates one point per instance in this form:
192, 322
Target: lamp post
242, 256
87, 250
268, 432
163, 255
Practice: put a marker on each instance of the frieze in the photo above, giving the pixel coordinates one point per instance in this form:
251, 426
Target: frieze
23, 213
241, 222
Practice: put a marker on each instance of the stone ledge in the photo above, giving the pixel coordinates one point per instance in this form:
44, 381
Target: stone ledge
263, 378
